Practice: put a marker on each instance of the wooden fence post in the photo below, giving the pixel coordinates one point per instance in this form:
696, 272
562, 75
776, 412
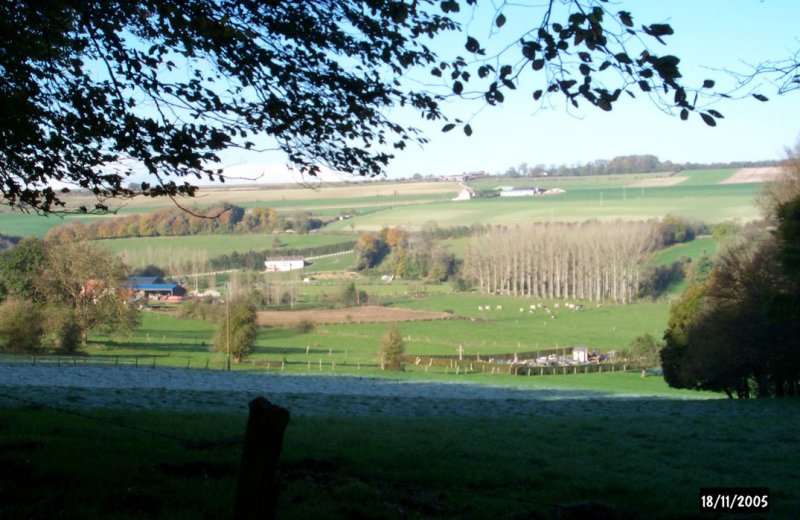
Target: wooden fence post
257, 491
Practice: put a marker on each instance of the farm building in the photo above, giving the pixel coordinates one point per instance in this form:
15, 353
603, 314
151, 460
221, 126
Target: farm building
284, 263
155, 287
522, 192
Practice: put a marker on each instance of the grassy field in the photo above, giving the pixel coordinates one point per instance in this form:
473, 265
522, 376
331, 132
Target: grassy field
708, 203
692, 250
645, 458
698, 196
344, 347
163, 251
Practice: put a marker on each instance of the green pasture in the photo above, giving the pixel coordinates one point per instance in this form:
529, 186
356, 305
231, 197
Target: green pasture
163, 251
707, 203
14, 223
692, 250
165, 340
497, 332
700, 196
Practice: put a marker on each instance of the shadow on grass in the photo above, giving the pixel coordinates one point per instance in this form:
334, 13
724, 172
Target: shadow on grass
152, 347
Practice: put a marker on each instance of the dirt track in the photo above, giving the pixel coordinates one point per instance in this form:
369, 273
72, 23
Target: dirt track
366, 314
748, 175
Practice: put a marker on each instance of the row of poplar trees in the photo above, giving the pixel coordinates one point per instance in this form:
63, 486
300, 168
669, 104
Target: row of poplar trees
597, 261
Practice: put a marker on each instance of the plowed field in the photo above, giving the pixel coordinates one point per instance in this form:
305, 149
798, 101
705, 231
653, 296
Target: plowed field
366, 314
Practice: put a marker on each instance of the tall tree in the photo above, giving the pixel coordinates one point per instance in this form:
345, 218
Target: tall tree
93, 92
392, 349
237, 329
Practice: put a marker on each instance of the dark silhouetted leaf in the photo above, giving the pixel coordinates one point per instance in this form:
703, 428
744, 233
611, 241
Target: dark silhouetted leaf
458, 87
472, 44
623, 58
709, 83
708, 119
760, 97
716, 114
658, 29
450, 6
625, 18
500, 20
448, 127
537, 94
684, 114
468, 130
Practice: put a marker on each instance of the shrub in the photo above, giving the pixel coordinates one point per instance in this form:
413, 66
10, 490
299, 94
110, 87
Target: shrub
64, 328
304, 326
21, 327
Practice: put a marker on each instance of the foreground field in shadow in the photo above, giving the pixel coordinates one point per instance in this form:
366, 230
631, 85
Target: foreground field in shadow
366, 448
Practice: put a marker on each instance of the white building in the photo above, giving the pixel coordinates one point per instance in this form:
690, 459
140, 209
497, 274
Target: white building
521, 192
580, 354
284, 263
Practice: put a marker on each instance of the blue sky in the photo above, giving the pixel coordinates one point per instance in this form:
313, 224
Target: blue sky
709, 35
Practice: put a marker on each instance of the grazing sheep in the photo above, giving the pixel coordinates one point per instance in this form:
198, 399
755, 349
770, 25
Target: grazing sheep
499, 307
480, 308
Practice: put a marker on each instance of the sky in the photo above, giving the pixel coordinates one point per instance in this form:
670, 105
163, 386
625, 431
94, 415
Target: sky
710, 36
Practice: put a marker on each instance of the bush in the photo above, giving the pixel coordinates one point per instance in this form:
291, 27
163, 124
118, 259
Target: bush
21, 327
205, 309
304, 326
65, 329
645, 350
392, 349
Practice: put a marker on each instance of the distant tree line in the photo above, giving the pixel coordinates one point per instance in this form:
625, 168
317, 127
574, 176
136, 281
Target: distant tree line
220, 219
738, 332
588, 261
623, 164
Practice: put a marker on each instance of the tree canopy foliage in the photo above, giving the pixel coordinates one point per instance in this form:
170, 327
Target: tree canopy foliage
739, 331
237, 329
76, 286
95, 92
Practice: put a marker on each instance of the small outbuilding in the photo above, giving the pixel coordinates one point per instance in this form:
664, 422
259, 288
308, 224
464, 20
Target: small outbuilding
580, 354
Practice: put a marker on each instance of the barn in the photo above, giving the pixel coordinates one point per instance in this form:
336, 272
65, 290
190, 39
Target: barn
154, 287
